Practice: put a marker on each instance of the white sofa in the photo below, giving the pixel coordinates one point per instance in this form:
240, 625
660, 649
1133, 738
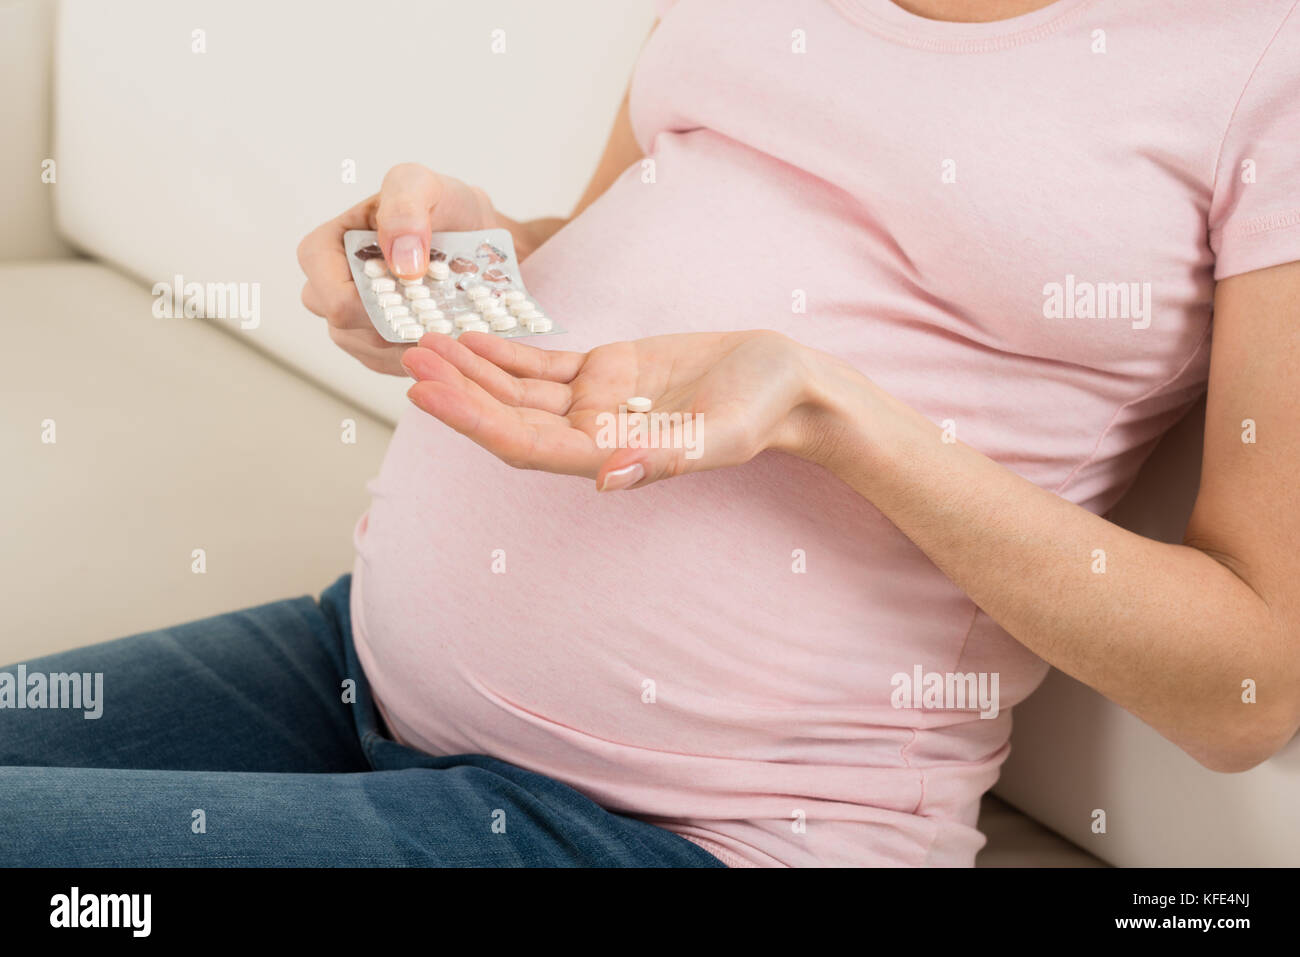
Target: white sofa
177, 434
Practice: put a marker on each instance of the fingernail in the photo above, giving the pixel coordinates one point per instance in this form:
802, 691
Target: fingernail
406, 255
622, 478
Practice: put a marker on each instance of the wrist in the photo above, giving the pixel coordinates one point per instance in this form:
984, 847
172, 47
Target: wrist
531, 234
837, 413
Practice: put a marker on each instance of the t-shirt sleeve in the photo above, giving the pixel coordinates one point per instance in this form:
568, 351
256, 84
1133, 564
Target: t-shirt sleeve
1255, 207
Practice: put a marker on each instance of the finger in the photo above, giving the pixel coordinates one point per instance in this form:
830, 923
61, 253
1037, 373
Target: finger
330, 291
672, 447
434, 368
339, 305
637, 468
321, 250
520, 438
404, 216
527, 361
529, 393
370, 349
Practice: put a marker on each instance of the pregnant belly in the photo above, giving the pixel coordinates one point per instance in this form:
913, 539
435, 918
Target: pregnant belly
713, 653
704, 651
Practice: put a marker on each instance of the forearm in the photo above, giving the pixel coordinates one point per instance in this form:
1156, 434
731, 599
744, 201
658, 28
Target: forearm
1165, 630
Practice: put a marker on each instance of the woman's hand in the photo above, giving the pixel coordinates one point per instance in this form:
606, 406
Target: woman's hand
718, 399
412, 202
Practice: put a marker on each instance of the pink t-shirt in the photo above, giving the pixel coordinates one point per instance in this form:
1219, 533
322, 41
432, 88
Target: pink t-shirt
1015, 226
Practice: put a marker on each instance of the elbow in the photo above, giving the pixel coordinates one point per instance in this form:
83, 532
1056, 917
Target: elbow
1245, 746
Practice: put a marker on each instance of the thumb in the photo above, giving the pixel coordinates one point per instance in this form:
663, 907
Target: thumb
406, 201
637, 468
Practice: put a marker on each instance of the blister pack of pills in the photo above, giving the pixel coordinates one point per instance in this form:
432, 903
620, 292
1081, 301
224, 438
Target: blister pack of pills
472, 284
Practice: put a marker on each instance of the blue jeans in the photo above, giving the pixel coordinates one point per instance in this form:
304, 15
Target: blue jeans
233, 742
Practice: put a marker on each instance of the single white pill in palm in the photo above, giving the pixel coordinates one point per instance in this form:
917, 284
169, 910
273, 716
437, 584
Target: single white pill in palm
374, 268
639, 403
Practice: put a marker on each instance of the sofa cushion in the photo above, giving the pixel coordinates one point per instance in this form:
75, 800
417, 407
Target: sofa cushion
170, 436
1017, 840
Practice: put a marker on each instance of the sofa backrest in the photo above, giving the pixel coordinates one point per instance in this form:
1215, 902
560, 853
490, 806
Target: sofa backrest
27, 227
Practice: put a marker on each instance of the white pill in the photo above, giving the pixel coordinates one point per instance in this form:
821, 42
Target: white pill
439, 270
418, 292
639, 403
443, 326
514, 295
502, 323
528, 315
519, 308
477, 292
539, 324
477, 327
389, 298
410, 331
382, 285
493, 309
374, 268
465, 318
411, 282
391, 312
424, 308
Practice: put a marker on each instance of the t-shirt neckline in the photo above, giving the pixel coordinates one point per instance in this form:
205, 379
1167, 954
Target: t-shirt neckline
888, 19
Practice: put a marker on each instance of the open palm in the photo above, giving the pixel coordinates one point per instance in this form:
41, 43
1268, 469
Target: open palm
550, 410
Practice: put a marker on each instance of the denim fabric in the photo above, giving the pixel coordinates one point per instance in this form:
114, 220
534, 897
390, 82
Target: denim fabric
243, 717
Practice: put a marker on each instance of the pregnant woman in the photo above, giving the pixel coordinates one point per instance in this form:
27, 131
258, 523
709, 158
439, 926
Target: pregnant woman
932, 277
